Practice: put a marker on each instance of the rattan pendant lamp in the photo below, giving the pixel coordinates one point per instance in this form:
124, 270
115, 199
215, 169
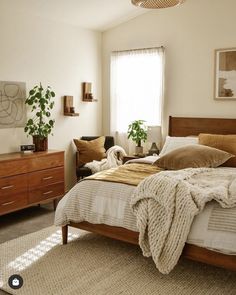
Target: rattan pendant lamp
155, 4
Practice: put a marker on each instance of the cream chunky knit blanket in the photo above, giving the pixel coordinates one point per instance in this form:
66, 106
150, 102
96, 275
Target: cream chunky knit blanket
165, 205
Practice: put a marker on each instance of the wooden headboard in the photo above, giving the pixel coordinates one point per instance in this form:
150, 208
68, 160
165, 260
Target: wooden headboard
181, 126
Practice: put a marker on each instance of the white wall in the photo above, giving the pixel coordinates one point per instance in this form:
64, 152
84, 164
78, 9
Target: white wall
190, 33
36, 50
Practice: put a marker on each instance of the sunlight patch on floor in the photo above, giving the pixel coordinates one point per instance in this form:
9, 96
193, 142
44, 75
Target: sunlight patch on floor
32, 255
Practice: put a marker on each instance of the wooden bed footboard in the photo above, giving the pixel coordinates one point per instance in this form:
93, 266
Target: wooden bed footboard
190, 251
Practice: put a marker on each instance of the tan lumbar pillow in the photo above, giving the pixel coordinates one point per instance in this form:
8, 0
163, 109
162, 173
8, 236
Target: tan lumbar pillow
193, 156
90, 150
225, 143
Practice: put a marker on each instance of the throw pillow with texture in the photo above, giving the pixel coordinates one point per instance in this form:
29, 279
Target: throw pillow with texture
225, 143
90, 150
193, 156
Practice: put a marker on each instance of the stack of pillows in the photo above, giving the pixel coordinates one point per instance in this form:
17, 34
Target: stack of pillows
206, 150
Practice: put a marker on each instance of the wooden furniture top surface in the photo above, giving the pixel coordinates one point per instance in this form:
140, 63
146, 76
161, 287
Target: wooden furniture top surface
30, 155
19, 163
183, 126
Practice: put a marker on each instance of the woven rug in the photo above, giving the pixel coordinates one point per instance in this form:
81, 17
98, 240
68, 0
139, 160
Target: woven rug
94, 265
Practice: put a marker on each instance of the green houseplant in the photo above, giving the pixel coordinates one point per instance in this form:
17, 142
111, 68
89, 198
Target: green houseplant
137, 131
40, 125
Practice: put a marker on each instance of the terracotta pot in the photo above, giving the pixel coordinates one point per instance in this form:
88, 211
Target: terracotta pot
41, 143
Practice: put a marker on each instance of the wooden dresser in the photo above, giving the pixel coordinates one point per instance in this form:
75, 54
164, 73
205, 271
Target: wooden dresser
28, 179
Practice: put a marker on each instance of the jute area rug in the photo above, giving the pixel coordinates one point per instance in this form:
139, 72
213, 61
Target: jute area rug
92, 264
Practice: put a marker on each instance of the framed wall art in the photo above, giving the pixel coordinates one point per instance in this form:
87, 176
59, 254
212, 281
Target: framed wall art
225, 74
12, 104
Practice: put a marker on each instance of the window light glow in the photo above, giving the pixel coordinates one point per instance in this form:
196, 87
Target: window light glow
136, 88
32, 255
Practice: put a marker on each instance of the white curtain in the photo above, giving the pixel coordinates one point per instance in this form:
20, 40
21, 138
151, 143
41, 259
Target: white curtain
136, 91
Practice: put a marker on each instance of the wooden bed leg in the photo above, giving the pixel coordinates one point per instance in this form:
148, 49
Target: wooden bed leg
64, 230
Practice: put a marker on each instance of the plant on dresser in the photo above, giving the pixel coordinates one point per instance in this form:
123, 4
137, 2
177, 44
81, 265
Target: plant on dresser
41, 125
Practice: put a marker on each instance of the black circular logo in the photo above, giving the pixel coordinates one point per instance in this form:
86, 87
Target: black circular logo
15, 282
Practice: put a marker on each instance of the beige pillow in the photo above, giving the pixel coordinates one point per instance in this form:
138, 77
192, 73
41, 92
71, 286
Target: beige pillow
193, 156
90, 150
225, 143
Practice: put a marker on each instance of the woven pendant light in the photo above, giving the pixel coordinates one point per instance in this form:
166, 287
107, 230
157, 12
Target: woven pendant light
154, 4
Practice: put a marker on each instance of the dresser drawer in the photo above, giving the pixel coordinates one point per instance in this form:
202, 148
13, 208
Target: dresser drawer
47, 192
46, 161
8, 168
45, 177
13, 185
13, 202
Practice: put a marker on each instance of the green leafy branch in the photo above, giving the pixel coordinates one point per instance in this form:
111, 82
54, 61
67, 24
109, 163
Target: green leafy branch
137, 131
41, 101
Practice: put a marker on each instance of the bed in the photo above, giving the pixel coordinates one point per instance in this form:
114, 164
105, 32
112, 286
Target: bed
178, 126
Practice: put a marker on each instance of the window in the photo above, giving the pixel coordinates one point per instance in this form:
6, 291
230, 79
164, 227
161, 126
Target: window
136, 88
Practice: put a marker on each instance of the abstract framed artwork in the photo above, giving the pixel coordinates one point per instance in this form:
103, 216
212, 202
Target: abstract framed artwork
12, 104
225, 74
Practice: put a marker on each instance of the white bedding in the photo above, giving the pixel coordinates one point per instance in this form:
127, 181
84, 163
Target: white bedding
109, 203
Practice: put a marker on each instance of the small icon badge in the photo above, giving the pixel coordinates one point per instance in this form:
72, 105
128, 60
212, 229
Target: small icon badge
15, 282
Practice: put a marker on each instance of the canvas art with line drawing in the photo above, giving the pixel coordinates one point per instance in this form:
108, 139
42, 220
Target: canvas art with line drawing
12, 104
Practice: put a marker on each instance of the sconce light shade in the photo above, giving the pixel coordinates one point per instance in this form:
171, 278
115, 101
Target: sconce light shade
155, 4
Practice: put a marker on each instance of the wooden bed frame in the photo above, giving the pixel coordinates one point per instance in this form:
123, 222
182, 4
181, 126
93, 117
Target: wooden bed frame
178, 126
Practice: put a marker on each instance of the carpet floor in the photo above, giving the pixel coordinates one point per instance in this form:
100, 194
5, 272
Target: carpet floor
25, 221
91, 264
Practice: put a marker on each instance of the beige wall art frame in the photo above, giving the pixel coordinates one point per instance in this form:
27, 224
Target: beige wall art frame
225, 74
12, 104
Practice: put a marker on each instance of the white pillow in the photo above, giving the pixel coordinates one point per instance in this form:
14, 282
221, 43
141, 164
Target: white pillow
173, 143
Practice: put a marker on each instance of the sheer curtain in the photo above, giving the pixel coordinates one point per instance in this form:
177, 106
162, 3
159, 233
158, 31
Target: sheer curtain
136, 91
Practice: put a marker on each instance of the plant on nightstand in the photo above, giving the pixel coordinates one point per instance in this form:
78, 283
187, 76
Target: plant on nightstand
137, 131
41, 125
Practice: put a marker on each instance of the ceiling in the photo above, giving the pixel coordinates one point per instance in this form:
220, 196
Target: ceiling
92, 14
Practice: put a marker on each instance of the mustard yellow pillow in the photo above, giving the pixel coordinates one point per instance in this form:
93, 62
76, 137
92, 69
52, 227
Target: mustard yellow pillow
225, 143
193, 156
90, 150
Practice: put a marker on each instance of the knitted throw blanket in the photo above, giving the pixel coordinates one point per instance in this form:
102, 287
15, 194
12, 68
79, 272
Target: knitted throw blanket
165, 205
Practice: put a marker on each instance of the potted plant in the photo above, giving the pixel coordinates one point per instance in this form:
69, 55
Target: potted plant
137, 131
41, 125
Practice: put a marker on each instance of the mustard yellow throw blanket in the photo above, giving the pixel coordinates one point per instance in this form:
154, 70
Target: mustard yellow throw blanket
131, 174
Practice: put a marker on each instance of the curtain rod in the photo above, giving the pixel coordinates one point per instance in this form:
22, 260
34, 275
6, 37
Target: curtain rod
137, 49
